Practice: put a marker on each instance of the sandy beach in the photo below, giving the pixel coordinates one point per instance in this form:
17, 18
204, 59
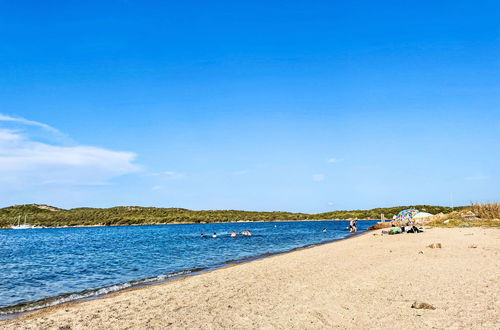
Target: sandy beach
366, 282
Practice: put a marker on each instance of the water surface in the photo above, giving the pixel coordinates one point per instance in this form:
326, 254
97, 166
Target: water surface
53, 265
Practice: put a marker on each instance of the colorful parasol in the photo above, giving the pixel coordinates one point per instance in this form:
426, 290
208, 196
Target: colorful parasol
404, 215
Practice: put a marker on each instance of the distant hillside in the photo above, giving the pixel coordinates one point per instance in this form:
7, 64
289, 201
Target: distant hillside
387, 211
45, 215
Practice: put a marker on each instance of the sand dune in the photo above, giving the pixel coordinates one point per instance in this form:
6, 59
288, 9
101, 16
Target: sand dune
362, 283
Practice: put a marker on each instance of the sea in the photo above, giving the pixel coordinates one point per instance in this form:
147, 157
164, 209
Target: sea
45, 267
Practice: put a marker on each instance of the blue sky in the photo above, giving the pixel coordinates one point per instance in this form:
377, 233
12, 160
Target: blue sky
257, 105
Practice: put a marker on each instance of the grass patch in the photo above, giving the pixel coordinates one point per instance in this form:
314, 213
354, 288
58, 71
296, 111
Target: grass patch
476, 215
486, 211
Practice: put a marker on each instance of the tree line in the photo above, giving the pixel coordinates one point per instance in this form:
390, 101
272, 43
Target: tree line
43, 215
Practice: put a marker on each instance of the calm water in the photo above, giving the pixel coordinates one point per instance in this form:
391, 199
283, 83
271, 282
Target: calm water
64, 264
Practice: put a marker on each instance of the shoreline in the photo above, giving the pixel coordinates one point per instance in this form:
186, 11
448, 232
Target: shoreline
193, 223
323, 286
92, 294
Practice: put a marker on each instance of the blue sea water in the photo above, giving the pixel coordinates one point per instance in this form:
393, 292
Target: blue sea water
43, 267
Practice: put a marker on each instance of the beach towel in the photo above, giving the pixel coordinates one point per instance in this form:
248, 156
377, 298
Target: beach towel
395, 230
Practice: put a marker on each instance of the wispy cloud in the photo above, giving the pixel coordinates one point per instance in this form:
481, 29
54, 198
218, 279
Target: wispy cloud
173, 175
156, 187
334, 160
169, 175
28, 122
318, 177
23, 159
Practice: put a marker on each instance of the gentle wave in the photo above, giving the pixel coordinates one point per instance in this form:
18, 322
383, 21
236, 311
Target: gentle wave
44, 268
5, 312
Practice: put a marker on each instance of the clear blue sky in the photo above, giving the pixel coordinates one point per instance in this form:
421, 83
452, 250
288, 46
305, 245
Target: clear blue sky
259, 105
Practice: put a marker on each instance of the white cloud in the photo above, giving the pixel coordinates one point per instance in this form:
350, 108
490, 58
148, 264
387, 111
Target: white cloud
334, 160
156, 187
318, 177
173, 175
169, 175
24, 160
28, 122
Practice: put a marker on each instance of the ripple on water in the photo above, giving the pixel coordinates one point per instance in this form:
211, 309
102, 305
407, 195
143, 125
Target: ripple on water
44, 267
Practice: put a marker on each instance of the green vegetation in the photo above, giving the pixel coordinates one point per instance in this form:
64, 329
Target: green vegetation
44, 215
375, 213
476, 215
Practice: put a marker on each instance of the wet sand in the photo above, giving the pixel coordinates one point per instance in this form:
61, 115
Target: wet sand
369, 281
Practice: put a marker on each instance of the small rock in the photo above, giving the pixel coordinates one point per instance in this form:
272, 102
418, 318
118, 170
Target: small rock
472, 246
434, 246
469, 215
422, 305
446, 221
420, 252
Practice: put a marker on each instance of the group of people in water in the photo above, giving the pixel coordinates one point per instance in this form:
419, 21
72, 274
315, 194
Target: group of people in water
233, 234
353, 227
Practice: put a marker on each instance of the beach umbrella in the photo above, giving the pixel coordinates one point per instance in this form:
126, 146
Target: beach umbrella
422, 215
405, 215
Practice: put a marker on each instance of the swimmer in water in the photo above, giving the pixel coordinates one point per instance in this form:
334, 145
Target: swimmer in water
233, 234
202, 235
214, 235
324, 230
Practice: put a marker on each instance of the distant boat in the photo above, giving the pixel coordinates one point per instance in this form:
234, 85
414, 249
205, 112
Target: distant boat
23, 226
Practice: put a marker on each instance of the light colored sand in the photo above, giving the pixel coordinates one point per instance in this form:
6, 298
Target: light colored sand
362, 283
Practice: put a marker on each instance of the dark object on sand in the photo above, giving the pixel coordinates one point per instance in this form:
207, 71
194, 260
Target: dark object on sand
414, 229
434, 246
65, 327
422, 305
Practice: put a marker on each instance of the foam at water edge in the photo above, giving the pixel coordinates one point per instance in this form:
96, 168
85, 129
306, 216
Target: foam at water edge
84, 295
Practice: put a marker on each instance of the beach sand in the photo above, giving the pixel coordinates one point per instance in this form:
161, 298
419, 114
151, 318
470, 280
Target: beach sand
366, 282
